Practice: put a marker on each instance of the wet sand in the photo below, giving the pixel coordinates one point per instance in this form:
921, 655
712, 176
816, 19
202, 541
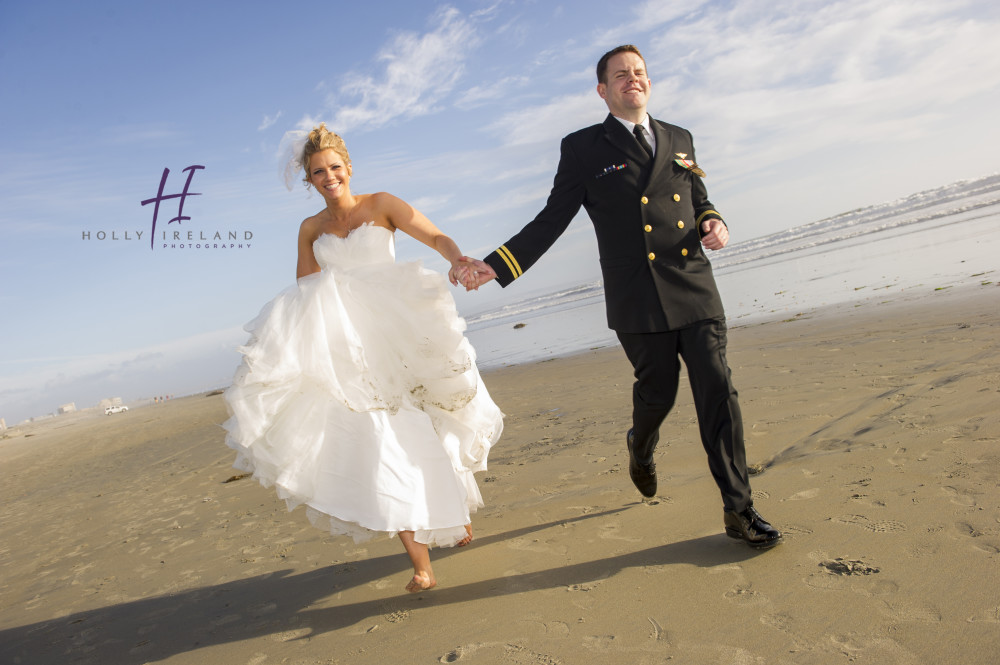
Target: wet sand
876, 427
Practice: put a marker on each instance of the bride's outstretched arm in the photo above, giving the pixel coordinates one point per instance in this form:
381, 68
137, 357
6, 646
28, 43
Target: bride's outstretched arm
412, 222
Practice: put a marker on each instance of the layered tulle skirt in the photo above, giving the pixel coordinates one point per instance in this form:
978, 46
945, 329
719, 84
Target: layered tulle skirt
358, 396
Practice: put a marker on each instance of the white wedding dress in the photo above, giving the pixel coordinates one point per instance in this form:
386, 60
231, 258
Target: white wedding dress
358, 396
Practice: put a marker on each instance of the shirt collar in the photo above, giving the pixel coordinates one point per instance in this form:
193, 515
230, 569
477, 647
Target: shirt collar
630, 126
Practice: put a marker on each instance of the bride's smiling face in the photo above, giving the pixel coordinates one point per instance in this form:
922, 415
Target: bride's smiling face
329, 173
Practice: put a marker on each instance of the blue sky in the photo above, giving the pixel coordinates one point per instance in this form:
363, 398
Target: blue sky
800, 110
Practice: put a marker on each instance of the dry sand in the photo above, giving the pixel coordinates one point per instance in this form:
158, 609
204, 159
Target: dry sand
877, 426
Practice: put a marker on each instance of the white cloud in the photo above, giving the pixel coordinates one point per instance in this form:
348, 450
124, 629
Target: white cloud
835, 76
419, 72
549, 122
268, 121
487, 12
431, 204
480, 95
657, 12
506, 200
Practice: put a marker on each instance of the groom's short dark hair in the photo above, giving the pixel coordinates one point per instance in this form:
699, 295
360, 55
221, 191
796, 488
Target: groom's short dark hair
602, 64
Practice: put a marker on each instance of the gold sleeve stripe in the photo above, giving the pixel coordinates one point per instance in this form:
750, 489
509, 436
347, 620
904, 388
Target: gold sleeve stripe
511, 262
702, 216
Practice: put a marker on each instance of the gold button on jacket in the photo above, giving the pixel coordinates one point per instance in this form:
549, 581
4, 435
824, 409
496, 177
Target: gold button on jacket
647, 228
644, 200
684, 252
677, 197
680, 224
652, 256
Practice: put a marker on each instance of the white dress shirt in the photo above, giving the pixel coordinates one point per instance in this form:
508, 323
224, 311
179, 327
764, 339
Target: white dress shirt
645, 129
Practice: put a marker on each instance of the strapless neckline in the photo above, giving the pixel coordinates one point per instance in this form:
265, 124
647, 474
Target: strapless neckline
352, 231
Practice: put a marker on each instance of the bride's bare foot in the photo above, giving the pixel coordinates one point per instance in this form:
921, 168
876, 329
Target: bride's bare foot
421, 582
423, 575
468, 538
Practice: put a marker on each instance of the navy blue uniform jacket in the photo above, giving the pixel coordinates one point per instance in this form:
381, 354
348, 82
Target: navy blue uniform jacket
647, 215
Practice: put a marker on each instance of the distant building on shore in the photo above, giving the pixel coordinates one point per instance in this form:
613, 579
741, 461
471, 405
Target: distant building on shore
67, 408
110, 401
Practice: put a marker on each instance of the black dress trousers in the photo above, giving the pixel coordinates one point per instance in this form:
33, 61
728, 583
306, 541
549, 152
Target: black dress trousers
656, 360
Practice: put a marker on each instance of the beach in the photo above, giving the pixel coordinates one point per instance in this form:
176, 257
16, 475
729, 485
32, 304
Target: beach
874, 428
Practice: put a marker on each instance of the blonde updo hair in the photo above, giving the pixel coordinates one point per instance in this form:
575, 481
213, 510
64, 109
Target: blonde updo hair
320, 139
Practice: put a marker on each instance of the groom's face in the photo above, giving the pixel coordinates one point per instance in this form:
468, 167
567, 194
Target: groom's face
626, 86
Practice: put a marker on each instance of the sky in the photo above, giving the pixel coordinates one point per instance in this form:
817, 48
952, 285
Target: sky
800, 110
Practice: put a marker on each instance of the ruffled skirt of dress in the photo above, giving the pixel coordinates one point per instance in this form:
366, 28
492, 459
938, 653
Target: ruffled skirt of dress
358, 396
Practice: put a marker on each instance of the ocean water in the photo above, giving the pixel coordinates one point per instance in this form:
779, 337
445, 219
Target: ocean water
939, 239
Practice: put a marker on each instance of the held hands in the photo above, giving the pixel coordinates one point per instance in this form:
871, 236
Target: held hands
470, 273
716, 234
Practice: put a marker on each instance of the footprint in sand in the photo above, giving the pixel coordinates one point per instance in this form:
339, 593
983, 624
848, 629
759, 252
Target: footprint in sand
898, 458
602, 643
744, 594
923, 550
398, 616
991, 615
534, 545
583, 587
904, 611
557, 628
614, 532
984, 544
788, 624
846, 643
959, 497
500, 653
452, 656
794, 530
988, 548
875, 526
840, 566
967, 529
857, 575
300, 634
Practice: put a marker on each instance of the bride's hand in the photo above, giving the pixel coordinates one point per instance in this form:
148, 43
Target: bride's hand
479, 273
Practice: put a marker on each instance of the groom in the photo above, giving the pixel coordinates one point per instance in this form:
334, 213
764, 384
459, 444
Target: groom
639, 182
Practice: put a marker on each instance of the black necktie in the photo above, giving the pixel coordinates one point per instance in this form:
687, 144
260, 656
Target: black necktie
640, 136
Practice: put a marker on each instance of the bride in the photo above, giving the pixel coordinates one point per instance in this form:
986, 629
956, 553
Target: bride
358, 394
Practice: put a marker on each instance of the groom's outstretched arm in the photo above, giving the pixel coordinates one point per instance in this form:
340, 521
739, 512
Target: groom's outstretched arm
512, 258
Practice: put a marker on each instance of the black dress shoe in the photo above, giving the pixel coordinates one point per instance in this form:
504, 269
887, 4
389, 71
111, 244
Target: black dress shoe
643, 475
751, 528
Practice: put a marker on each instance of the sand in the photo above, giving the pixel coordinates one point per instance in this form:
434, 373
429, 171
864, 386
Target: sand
876, 427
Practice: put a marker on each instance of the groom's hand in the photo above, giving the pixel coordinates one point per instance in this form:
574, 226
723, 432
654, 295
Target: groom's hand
476, 273
715, 234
